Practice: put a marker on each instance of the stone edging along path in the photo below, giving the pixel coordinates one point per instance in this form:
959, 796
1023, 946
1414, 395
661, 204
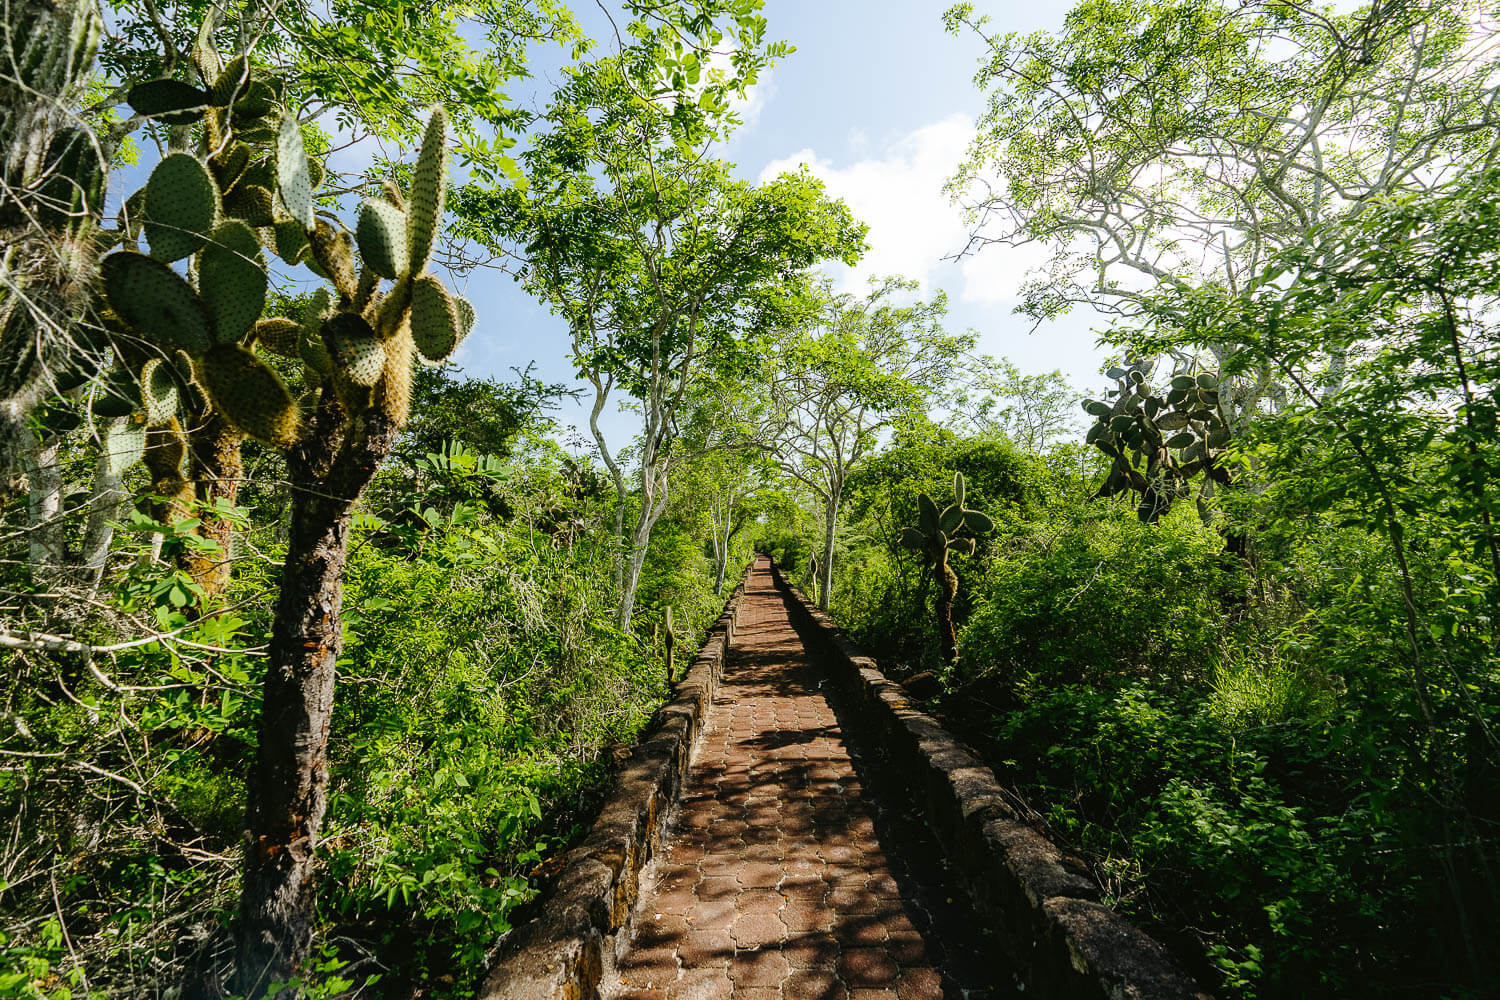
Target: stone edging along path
1061, 941
560, 953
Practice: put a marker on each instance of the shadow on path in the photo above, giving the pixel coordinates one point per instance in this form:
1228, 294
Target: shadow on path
795, 870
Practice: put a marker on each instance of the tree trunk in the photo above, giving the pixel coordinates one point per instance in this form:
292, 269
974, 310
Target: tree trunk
622, 541
825, 567
46, 544
640, 541
104, 509
288, 786
721, 555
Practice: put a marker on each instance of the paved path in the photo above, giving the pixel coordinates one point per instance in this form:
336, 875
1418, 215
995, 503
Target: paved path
784, 877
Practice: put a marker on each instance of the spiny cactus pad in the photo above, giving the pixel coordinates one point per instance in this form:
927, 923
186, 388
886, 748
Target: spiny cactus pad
381, 234
182, 205
358, 353
279, 336
155, 301
252, 203
434, 319
292, 177
158, 391
314, 352
124, 441
291, 241
391, 193
249, 395
429, 185
169, 101
466, 315
230, 82
232, 280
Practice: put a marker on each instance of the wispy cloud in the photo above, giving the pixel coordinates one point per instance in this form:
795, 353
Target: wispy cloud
897, 188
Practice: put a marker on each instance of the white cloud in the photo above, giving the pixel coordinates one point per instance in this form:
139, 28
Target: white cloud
898, 190
757, 96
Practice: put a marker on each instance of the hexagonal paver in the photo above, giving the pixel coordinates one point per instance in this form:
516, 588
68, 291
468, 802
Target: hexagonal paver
773, 884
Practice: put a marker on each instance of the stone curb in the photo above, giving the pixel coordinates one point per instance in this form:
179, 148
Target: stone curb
562, 951
1044, 908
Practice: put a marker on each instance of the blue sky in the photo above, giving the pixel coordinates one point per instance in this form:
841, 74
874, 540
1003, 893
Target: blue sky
879, 101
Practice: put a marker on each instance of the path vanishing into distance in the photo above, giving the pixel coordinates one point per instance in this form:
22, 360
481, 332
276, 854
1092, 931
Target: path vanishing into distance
791, 872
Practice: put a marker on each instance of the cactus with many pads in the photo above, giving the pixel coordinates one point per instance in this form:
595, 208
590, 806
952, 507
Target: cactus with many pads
936, 537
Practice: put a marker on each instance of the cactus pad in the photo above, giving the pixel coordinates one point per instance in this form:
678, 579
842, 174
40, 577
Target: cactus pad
158, 391
291, 241
382, 238
171, 102
978, 523
252, 203
182, 205
357, 352
434, 319
293, 180
429, 185
249, 395
280, 336
232, 279
153, 300
466, 315
124, 442
230, 82
391, 193
231, 165
314, 352
950, 520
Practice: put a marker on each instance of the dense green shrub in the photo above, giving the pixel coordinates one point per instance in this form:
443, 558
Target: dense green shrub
1093, 595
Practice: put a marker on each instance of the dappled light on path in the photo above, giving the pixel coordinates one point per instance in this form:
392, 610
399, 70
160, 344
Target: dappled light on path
785, 876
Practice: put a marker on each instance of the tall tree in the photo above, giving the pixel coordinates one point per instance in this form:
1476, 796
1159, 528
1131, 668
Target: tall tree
834, 383
665, 266
993, 396
1189, 139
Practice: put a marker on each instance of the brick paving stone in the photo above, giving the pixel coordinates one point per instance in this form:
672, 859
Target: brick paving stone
868, 967
813, 984
758, 968
715, 914
919, 984
774, 883
757, 930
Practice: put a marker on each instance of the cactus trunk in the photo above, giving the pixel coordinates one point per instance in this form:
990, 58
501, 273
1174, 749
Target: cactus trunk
947, 589
217, 470
288, 786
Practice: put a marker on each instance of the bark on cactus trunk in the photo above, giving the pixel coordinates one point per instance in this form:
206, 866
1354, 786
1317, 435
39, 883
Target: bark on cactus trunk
288, 786
947, 588
217, 468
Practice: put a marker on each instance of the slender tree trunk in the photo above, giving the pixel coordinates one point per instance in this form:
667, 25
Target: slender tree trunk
104, 509
640, 542
45, 540
825, 568
721, 544
288, 786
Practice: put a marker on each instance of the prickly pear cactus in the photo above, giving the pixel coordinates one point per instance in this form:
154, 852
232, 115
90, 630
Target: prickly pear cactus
226, 212
52, 174
1159, 443
936, 537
